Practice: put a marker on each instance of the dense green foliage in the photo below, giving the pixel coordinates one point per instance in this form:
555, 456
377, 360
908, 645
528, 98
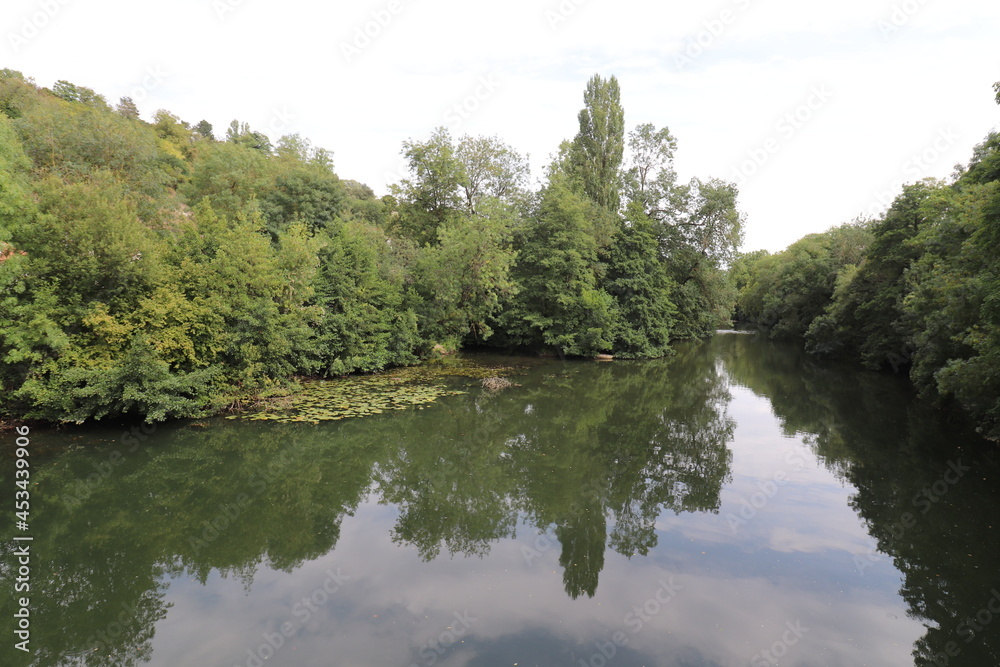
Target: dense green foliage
915, 291
149, 269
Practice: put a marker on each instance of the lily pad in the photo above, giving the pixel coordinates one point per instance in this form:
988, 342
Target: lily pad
367, 395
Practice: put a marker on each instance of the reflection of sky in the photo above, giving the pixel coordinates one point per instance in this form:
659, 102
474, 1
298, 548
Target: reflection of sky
792, 561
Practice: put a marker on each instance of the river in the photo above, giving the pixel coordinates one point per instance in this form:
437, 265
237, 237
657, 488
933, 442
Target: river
735, 504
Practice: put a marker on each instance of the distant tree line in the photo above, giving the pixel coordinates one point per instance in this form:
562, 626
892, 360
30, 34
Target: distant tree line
151, 269
916, 290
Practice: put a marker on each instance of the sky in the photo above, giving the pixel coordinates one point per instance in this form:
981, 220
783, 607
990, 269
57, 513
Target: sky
818, 111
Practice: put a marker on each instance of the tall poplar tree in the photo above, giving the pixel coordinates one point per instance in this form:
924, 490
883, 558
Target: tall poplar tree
599, 146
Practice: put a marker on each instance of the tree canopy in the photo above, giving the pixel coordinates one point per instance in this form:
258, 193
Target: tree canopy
152, 269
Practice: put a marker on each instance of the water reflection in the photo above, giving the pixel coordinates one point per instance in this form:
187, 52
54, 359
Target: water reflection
925, 488
611, 478
578, 448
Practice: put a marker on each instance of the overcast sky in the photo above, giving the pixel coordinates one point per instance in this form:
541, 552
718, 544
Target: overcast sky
818, 110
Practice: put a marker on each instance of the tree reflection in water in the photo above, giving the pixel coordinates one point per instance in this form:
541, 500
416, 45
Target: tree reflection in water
899, 453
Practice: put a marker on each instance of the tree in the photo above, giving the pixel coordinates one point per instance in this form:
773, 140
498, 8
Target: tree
639, 282
790, 290
204, 128
66, 91
242, 135
599, 145
650, 178
703, 217
366, 324
491, 168
230, 175
85, 140
700, 228
430, 197
465, 278
561, 304
17, 94
255, 295
307, 193
72, 93
16, 205
866, 319
984, 167
295, 148
127, 108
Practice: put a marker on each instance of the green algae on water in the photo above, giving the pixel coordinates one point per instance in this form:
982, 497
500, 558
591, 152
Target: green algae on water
366, 395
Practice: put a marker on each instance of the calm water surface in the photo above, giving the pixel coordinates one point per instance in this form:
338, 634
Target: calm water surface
734, 505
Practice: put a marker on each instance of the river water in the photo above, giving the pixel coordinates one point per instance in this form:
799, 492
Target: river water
736, 504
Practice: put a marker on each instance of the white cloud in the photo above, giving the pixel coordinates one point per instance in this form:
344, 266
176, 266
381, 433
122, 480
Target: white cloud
892, 92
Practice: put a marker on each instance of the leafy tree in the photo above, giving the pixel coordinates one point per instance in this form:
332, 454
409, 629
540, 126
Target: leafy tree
176, 144
561, 304
241, 134
789, 290
73, 142
598, 147
742, 273
308, 194
16, 205
65, 90
985, 164
650, 177
703, 220
204, 128
66, 351
230, 175
868, 318
72, 93
641, 286
360, 202
491, 168
126, 108
366, 325
256, 295
430, 197
17, 94
950, 309
699, 233
465, 278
